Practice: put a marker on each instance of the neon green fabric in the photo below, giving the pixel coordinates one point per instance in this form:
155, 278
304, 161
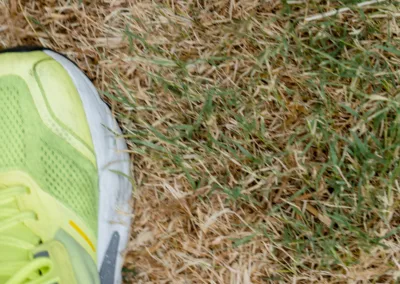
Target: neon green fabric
27, 144
16, 240
84, 268
48, 176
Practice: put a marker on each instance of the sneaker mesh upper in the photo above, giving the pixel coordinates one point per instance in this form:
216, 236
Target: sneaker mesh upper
27, 144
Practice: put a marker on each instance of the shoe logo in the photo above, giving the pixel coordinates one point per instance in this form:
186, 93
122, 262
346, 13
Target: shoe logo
107, 270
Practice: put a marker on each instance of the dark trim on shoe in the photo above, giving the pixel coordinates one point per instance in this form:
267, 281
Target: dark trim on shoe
23, 49
27, 48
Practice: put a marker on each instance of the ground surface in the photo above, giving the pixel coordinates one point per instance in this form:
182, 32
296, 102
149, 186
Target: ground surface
265, 147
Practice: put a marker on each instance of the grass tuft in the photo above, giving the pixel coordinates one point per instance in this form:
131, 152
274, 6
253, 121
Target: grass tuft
265, 147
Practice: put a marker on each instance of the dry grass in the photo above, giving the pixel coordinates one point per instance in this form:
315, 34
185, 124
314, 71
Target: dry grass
265, 149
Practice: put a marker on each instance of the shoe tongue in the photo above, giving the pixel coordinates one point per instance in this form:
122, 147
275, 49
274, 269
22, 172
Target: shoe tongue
19, 246
61, 268
16, 243
71, 263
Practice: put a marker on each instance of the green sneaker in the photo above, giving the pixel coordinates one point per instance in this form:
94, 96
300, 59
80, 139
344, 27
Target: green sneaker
64, 175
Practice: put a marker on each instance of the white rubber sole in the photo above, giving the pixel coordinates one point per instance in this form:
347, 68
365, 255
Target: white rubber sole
113, 163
